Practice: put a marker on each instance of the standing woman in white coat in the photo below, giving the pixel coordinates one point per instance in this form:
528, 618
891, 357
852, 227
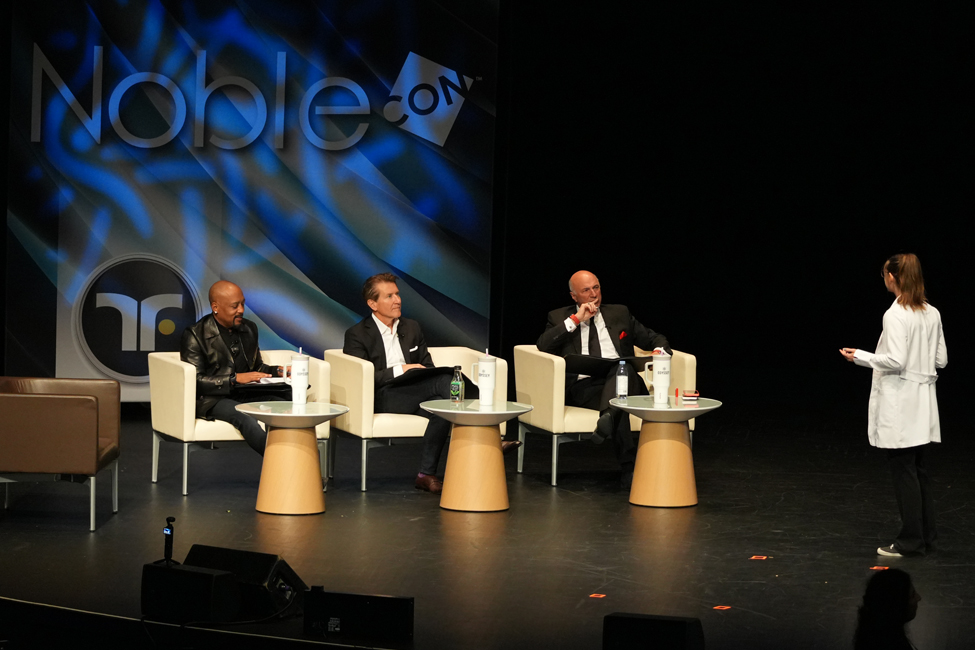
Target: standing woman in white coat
903, 411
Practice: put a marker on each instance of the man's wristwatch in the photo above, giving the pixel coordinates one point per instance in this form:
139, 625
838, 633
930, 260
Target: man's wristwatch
233, 380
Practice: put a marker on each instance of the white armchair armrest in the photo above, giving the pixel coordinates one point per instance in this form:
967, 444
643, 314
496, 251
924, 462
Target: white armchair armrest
353, 385
683, 371
540, 381
172, 394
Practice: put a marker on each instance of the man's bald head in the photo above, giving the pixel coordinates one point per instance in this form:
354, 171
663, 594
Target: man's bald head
227, 303
584, 287
221, 287
580, 278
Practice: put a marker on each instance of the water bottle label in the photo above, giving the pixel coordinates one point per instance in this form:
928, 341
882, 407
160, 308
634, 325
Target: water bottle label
622, 385
455, 391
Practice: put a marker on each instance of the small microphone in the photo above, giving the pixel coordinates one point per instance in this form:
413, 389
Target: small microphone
168, 533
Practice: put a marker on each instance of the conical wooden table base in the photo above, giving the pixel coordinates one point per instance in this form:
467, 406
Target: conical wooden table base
664, 472
474, 480
291, 478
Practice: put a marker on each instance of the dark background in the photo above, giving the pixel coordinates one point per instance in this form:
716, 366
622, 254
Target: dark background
736, 175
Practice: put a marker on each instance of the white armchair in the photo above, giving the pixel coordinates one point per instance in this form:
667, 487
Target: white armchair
172, 395
353, 385
540, 381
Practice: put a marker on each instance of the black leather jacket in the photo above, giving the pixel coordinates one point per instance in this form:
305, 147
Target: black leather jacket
203, 347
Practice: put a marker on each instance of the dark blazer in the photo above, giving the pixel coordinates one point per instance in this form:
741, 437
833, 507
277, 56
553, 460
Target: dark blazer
363, 340
203, 347
624, 329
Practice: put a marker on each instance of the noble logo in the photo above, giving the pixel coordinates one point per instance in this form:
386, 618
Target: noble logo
426, 99
130, 307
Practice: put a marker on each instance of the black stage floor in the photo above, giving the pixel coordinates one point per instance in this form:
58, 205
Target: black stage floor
808, 493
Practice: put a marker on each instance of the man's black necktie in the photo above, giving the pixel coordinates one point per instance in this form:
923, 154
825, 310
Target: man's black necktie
594, 349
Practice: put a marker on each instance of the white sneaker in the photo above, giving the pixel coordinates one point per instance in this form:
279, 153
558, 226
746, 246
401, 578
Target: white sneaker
889, 551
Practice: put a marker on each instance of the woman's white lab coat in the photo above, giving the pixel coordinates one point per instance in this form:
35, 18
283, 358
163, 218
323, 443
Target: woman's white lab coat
903, 409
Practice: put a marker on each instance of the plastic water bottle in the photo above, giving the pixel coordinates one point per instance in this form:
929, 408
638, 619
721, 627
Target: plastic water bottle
622, 382
457, 386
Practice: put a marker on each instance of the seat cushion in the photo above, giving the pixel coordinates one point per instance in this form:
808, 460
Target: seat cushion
580, 420
214, 430
397, 425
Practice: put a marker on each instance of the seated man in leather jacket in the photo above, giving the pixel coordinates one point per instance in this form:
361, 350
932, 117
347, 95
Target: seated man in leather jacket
223, 347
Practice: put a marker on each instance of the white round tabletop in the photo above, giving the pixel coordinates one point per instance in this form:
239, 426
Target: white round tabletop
471, 412
644, 408
288, 415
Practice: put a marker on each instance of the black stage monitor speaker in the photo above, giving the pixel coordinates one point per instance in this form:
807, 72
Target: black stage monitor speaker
172, 593
268, 586
359, 618
631, 631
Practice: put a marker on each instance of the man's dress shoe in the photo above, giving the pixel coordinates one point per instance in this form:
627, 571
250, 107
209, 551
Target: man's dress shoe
429, 483
509, 445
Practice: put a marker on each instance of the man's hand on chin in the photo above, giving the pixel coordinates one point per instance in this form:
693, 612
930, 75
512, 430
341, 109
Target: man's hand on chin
586, 311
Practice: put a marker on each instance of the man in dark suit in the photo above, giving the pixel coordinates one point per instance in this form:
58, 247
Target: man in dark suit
608, 331
395, 346
223, 347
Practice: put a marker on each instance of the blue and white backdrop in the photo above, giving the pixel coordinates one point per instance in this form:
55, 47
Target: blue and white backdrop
293, 147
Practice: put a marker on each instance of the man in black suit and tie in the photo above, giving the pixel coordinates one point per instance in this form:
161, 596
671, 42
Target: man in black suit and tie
608, 331
395, 346
223, 347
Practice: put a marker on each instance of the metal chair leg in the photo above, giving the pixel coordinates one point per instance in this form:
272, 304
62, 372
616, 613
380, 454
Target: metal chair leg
522, 429
186, 465
115, 487
155, 455
555, 459
323, 462
91, 495
365, 454
333, 439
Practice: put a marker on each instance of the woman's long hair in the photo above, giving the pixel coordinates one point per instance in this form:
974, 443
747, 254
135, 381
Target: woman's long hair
906, 269
883, 614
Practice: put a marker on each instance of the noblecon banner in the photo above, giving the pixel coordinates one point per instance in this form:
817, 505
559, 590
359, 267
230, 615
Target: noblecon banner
292, 147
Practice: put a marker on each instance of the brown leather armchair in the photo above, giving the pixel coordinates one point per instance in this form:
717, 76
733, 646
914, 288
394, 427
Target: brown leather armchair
51, 427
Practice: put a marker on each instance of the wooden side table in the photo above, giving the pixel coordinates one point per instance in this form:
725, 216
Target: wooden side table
474, 480
664, 473
291, 476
